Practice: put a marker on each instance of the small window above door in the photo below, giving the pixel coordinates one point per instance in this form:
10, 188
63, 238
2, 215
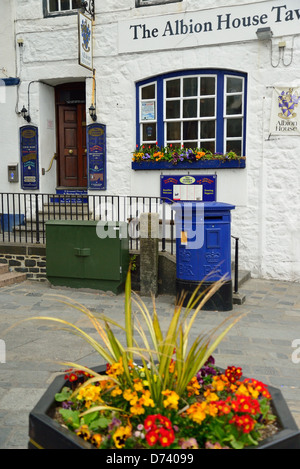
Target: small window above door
146, 3
61, 7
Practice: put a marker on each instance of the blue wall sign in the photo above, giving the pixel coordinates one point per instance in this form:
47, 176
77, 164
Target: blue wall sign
175, 188
96, 154
29, 150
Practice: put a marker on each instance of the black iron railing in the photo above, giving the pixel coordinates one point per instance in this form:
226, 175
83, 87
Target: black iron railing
23, 216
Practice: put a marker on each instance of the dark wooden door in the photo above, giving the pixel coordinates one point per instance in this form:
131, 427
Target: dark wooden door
72, 145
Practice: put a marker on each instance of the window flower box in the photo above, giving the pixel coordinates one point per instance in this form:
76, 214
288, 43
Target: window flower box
174, 158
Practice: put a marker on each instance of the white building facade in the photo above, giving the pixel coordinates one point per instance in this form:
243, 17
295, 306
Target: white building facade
186, 73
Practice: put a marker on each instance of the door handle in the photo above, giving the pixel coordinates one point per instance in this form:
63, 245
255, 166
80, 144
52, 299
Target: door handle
70, 152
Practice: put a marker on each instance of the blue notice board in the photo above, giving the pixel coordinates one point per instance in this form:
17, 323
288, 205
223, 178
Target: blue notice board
29, 152
187, 187
96, 156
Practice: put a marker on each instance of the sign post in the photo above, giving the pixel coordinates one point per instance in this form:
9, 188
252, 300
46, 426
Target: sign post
29, 149
85, 41
96, 153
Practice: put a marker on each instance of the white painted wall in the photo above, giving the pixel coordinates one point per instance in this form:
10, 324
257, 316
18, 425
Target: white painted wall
266, 193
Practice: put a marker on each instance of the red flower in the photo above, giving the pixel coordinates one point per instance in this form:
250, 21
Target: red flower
233, 374
166, 437
151, 437
159, 428
223, 407
244, 423
73, 377
149, 423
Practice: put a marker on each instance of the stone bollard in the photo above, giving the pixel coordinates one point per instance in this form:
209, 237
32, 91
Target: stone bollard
149, 235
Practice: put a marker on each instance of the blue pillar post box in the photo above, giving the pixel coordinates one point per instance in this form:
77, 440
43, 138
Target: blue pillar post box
203, 250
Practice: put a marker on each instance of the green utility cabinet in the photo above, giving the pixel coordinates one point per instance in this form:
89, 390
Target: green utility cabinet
87, 254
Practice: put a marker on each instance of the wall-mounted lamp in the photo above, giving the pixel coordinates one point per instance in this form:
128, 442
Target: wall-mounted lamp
92, 111
89, 7
264, 34
25, 115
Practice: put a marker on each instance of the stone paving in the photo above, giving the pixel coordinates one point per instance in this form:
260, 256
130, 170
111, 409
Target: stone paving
261, 342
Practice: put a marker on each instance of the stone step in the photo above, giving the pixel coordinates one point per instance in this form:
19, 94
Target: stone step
3, 269
11, 278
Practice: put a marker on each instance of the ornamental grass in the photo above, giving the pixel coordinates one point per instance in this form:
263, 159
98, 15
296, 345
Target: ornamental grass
160, 389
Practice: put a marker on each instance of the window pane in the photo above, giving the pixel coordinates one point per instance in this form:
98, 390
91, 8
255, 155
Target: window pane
234, 145
208, 86
234, 127
190, 108
173, 88
209, 146
234, 85
148, 92
191, 144
190, 87
149, 132
53, 5
207, 107
76, 4
65, 4
234, 105
208, 129
190, 130
173, 131
172, 109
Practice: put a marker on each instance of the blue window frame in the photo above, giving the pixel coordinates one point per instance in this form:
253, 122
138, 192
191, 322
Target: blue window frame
195, 108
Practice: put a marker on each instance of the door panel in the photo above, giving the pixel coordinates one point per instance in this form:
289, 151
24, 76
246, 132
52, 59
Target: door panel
72, 144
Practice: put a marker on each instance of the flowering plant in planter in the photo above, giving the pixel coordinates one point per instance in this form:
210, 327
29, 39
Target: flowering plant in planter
165, 392
177, 155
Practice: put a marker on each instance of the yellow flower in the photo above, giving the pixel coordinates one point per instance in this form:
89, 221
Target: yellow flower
198, 411
193, 387
242, 389
106, 384
171, 401
84, 432
219, 382
116, 391
254, 392
138, 385
116, 368
137, 409
211, 396
120, 436
212, 409
130, 396
146, 399
89, 394
96, 439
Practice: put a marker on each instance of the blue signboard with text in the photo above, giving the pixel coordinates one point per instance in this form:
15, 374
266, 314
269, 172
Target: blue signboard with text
29, 153
96, 156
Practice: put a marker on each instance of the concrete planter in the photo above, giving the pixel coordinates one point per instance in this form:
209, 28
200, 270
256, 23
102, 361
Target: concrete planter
46, 433
200, 164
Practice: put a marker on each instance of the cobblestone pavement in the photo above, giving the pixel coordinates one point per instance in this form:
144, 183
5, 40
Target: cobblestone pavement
261, 342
